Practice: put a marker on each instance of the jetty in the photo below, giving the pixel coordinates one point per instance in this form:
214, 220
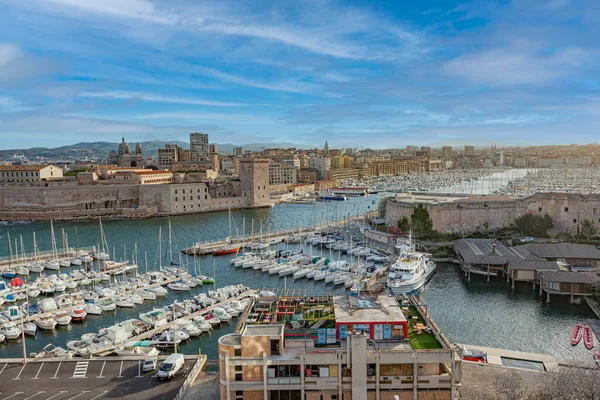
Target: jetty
203, 248
550, 363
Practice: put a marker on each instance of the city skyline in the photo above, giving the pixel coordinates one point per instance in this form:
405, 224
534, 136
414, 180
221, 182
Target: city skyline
378, 75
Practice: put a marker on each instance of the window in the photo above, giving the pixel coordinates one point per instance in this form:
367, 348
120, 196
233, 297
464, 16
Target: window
198, 197
175, 191
540, 209
566, 209
184, 196
237, 352
175, 198
574, 220
239, 395
595, 210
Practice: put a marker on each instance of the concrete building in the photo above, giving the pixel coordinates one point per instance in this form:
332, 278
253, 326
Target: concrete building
281, 174
447, 152
307, 175
238, 151
322, 165
29, 173
359, 350
469, 150
169, 155
198, 146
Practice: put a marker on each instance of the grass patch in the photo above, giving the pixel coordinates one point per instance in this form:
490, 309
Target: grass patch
423, 341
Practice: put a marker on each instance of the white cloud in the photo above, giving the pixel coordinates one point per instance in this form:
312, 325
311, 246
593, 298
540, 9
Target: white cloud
158, 98
134, 9
292, 86
514, 66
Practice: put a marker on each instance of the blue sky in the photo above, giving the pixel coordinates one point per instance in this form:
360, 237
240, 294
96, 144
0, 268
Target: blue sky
376, 74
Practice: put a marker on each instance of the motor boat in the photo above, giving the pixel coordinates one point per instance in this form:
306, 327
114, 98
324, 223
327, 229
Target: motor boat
147, 294
92, 309
51, 265
64, 301
136, 298
411, 270
30, 328
10, 330
35, 267
202, 324
47, 305
159, 291
23, 271
13, 313
76, 262
220, 313
45, 321
212, 319
178, 287
64, 263
62, 318
32, 292
78, 314
474, 355
124, 302
320, 276
59, 286
107, 305
154, 318
188, 327
180, 334
577, 334
330, 277
139, 348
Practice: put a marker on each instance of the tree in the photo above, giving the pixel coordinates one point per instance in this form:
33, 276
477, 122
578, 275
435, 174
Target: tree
588, 229
404, 224
553, 233
421, 222
535, 225
510, 386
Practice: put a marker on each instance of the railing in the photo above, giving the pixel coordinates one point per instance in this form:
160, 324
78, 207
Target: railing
191, 377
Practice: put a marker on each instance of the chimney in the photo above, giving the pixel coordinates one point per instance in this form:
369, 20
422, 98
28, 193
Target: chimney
493, 247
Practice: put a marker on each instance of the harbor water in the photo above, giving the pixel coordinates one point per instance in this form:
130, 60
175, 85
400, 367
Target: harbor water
477, 312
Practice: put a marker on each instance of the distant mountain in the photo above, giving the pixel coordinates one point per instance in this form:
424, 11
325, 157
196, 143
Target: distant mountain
102, 149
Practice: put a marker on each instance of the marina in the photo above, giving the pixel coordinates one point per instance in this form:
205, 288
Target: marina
456, 304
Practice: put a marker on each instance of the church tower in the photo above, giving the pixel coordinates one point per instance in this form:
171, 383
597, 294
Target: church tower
326, 148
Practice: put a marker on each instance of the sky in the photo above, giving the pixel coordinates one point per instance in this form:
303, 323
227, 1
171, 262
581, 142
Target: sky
375, 74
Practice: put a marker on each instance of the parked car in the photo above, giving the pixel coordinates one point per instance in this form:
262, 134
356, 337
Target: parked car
149, 364
527, 239
170, 366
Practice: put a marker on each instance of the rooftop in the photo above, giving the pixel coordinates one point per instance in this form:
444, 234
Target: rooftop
23, 167
263, 330
491, 252
563, 250
367, 309
526, 265
570, 277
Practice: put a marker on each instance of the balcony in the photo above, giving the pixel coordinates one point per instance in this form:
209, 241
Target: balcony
320, 383
292, 380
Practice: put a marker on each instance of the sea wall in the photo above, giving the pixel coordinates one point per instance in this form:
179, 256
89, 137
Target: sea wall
453, 214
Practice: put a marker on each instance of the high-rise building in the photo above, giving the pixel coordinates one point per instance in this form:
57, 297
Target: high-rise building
198, 146
447, 152
237, 151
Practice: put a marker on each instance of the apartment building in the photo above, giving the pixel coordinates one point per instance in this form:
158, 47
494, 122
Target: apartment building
294, 347
281, 174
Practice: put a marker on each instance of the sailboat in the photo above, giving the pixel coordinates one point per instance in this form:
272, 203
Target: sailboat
52, 264
228, 249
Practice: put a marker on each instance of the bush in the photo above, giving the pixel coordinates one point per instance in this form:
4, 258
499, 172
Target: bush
534, 225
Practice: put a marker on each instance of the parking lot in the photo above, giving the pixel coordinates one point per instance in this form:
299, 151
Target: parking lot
84, 380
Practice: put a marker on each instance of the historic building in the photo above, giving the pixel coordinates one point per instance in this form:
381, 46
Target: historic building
124, 157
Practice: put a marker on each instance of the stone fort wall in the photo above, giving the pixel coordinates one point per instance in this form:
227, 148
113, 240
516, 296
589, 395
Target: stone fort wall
465, 215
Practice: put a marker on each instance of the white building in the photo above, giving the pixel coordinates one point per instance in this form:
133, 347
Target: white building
29, 173
321, 164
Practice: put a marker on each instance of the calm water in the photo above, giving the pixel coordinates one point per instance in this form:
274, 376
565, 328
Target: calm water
481, 313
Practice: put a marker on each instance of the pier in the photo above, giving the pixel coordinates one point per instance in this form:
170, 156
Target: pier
550, 363
203, 248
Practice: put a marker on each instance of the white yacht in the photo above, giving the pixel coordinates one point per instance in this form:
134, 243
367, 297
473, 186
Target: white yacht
45, 321
410, 271
10, 330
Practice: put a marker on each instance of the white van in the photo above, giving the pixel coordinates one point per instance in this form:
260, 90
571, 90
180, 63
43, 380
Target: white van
170, 366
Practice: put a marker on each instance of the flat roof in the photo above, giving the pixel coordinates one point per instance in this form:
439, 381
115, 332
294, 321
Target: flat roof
263, 330
381, 308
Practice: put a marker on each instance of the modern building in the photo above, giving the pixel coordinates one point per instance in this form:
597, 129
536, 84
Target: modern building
238, 151
169, 155
344, 347
322, 165
29, 173
124, 157
198, 146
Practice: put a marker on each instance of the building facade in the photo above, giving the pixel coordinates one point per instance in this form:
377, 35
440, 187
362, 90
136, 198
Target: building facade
124, 157
29, 173
281, 174
198, 146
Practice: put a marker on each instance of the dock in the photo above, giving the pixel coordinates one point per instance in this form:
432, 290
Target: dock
550, 363
149, 333
203, 248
